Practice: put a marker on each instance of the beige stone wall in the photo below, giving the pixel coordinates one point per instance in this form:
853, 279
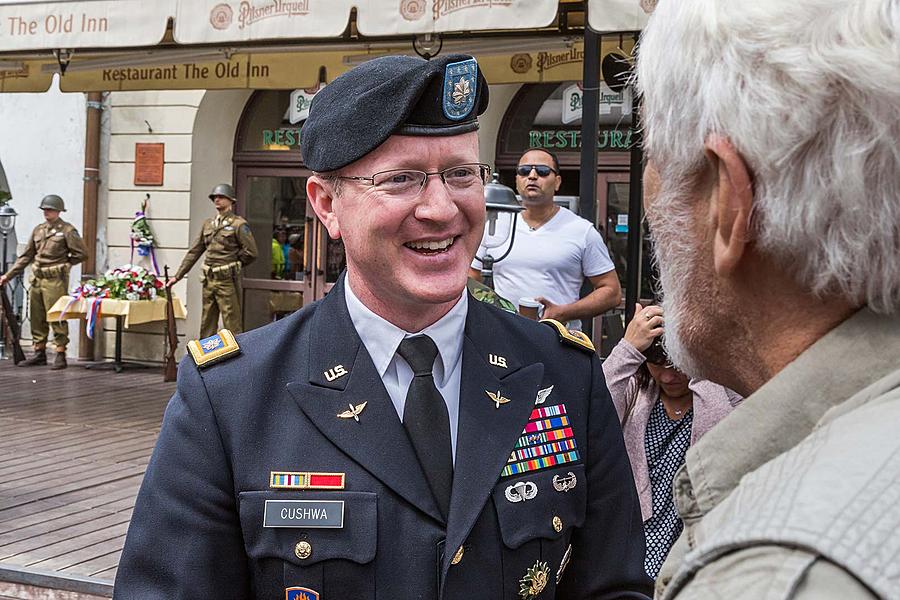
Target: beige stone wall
137, 117
198, 129
491, 119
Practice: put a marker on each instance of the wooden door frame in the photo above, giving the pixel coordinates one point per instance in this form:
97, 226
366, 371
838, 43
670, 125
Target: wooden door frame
603, 181
242, 173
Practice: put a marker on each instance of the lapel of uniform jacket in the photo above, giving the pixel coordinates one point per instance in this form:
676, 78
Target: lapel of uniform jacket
486, 433
229, 216
341, 377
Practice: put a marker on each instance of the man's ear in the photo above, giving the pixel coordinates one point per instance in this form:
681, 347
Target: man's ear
731, 204
321, 197
558, 182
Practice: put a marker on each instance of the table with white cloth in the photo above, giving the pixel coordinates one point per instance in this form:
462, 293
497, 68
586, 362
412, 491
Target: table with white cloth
126, 313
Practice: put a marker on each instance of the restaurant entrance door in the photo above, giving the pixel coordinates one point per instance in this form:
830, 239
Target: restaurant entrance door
298, 263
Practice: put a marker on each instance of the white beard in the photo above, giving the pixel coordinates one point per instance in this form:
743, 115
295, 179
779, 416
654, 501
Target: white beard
677, 255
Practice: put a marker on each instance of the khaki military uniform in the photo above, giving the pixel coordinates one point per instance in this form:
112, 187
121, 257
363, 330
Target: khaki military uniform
794, 496
229, 246
51, 251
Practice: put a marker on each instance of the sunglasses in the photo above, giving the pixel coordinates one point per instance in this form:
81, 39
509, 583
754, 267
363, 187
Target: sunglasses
542, 170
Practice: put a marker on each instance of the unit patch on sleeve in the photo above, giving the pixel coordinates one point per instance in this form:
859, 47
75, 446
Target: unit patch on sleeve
547, 441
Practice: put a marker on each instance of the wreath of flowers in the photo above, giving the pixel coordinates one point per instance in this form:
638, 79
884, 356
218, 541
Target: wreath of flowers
128, 282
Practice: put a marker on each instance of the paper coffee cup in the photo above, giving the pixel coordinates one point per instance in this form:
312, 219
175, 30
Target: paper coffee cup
529, 308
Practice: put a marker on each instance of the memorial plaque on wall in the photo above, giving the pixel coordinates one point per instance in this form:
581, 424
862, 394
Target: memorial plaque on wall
149, 164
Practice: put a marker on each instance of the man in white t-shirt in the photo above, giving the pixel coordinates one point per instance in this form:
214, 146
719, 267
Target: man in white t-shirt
554, 251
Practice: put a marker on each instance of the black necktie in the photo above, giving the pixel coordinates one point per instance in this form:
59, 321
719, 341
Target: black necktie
426, 419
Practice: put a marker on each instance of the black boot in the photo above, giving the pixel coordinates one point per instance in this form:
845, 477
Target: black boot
39, 359
59, 362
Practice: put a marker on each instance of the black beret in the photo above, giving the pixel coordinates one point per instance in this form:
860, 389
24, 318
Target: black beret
402, 95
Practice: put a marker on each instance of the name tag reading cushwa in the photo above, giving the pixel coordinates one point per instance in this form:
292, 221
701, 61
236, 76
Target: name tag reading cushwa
325, 514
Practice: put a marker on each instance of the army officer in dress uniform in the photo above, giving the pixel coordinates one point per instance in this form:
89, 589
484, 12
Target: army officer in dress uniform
229, 246
54, 246
398, 439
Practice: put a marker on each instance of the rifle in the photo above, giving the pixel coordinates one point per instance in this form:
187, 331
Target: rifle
171, 371
13, 327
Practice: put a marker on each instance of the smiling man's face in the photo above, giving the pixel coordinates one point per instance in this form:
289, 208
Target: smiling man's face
409, 252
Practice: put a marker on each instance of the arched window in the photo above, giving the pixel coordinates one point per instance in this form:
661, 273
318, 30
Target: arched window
545, 115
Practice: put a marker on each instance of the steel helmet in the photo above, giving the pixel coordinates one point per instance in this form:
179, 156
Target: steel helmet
223, 189
53, 202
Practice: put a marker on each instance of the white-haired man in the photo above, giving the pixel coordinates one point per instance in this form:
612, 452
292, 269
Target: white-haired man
773, 194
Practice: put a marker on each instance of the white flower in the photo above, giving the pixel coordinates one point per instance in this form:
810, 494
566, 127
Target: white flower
132, 296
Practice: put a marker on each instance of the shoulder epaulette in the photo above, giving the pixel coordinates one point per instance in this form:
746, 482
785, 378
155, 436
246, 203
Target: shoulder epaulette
578, 339
213, 349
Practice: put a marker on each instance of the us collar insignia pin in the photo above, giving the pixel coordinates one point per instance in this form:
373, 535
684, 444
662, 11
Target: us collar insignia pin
354, 412
565, 483
300, 593
521, 491
335, 372
497, 398
534, 581
542, 395
497, 361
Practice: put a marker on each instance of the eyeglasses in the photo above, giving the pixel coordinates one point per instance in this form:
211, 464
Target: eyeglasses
542, 170
406, 184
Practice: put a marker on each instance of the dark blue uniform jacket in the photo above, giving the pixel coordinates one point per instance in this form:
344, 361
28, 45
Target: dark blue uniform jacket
197, 530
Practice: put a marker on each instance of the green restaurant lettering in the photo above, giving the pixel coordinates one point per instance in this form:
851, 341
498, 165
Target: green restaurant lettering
607, 139
281, 137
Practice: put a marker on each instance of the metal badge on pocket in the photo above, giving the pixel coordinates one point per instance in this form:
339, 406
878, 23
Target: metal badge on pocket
521, 491
565, 483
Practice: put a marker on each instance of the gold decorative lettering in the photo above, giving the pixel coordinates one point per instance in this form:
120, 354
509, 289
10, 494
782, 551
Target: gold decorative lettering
551, 60
249, 13
442, 8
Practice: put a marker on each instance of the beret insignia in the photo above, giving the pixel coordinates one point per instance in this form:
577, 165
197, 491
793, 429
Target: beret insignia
213, 349
460, 81
578, 339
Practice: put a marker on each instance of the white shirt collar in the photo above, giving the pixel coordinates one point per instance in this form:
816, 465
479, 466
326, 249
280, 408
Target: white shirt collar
382, 338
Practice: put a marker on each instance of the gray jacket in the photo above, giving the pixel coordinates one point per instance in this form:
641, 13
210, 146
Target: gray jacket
795, 495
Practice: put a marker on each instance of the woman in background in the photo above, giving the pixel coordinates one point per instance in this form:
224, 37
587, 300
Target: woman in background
663, 412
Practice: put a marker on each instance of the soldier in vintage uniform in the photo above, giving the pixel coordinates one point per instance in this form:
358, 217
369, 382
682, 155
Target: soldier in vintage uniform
397, 439
54, 246
229, 246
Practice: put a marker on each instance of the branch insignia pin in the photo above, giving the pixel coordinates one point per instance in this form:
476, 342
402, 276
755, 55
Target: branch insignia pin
354, 412
497, 398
